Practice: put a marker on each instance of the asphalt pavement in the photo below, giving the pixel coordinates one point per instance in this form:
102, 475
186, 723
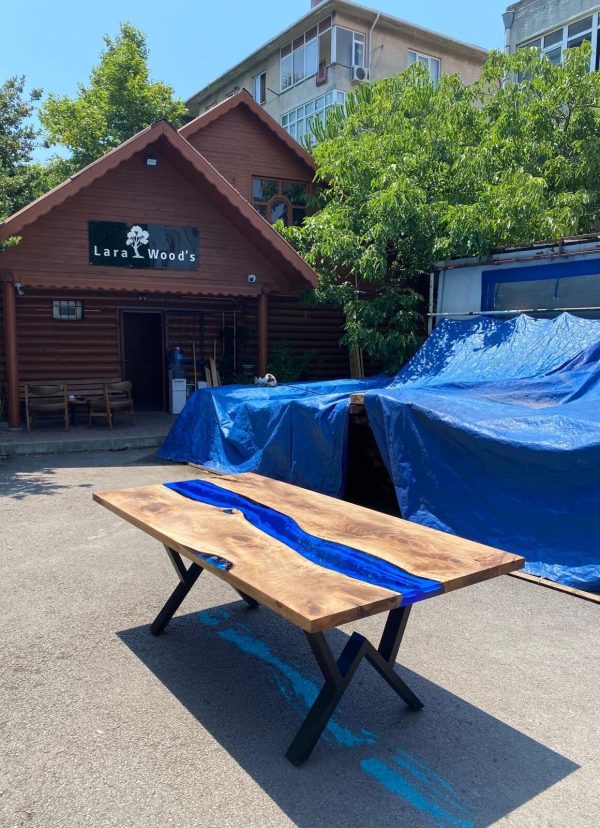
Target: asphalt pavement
104, 726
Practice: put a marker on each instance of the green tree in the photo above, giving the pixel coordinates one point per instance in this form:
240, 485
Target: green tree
118, 101
17, 142
416, 173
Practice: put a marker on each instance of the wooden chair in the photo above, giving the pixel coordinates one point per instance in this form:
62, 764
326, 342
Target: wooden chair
116, 396
45, 399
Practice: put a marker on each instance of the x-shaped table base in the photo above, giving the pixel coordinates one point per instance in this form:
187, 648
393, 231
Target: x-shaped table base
337, 673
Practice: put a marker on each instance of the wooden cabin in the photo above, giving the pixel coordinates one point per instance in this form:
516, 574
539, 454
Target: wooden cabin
165, 242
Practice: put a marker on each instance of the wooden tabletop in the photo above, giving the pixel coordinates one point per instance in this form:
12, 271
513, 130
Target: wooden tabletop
310, 596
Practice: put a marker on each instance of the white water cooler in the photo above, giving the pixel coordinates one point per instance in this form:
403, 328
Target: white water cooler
177, 391
177, 382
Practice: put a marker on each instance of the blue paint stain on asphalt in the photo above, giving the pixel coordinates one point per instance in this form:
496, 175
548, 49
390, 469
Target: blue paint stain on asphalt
423, 789
211, 618
300, 688
299, 691
411, 780
422, 772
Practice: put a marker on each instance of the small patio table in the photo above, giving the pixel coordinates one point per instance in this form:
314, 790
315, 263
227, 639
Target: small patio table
314, 560
77, 403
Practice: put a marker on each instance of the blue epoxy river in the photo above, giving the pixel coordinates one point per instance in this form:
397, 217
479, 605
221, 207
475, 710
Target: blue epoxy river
333, 556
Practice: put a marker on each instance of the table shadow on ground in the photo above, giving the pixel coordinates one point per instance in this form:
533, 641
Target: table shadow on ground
248, 678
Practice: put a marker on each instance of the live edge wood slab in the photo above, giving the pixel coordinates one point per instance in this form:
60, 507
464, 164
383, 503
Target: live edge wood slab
277, 577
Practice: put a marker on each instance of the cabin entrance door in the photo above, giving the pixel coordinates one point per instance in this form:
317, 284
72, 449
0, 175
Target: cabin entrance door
142, 356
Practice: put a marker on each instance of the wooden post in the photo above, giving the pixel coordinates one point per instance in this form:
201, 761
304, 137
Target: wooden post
10, 350
357, 368
263, 333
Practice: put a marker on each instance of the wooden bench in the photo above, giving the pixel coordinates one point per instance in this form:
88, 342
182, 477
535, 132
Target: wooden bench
79, 390
75, 387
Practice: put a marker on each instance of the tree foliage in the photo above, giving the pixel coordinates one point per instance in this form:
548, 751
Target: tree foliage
18, 179
118, 101
415, 174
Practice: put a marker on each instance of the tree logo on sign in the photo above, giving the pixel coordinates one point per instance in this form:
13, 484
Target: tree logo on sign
135, 237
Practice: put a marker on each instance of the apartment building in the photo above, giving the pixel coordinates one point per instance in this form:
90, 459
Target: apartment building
553, 26
311, 66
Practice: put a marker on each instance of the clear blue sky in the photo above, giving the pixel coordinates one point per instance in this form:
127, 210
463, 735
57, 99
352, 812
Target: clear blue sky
54, 43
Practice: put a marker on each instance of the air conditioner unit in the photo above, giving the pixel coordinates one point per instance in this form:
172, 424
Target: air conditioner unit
359, 74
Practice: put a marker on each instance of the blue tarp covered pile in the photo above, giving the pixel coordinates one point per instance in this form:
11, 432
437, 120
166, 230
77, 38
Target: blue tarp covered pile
492, 432
296, 433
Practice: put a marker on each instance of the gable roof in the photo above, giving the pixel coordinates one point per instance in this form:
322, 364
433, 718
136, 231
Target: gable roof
196, 168
244, 99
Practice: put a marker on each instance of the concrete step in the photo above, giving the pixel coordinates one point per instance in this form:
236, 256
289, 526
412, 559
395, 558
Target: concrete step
150, 430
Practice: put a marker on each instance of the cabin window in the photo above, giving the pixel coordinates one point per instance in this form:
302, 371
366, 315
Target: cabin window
259, 88
285, 200
67, 310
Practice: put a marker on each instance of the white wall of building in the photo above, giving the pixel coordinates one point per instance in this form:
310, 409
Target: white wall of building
459, 291
536, 17
459, 287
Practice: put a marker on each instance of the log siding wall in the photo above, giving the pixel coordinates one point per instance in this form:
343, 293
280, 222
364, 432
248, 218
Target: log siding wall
240, 147
306, 330
91, 348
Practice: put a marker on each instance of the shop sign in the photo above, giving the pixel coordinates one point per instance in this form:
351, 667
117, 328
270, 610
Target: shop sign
157, 246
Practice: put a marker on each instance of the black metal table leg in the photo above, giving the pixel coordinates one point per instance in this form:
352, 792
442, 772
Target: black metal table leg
338, 675
187, 578
250, 601
383, 658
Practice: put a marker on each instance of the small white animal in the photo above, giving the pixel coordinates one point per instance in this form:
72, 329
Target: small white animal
268, 380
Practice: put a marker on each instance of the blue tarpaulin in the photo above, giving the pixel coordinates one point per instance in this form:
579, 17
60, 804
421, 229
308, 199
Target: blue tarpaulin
296, 433
492, 432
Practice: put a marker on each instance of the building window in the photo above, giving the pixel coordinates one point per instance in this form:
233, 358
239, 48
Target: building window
259, 88
349, 47
285, 200
432, 63
298, 122
549, 287
67, 310
554, 44
301, 57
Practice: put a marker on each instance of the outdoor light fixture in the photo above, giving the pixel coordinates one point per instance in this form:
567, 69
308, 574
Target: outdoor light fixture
252, 278
151, 162
19, 289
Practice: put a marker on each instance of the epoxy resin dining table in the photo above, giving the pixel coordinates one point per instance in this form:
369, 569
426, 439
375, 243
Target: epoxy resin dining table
317, 561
